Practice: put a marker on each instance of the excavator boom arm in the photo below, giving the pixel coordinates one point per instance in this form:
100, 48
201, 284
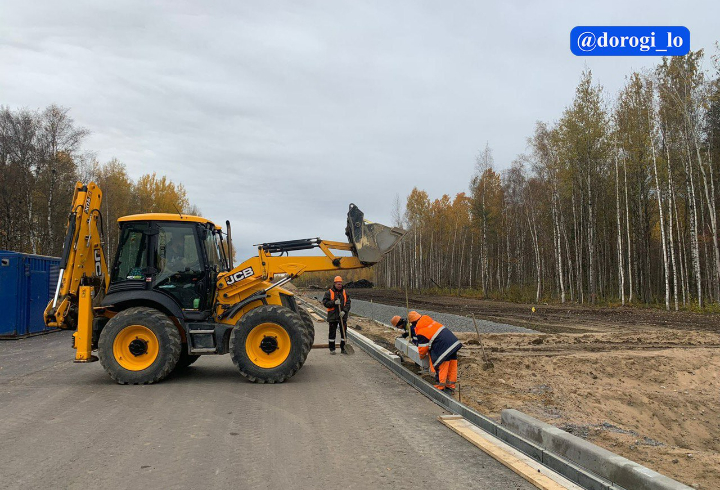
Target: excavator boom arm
83, 260
266, 266
368, 243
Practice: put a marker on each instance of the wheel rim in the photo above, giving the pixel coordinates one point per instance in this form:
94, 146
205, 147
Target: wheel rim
268, 345
135, 347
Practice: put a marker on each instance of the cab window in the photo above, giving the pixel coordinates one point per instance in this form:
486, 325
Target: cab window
131, 263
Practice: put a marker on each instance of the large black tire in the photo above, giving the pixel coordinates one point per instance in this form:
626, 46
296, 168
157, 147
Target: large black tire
309, 324
168, 345
308, 332
185, 359
309, 328
283, 318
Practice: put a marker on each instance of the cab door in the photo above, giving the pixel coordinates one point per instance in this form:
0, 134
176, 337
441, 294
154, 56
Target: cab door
182, 272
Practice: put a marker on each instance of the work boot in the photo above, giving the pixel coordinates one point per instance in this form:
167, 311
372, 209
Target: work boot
332, 352
449, 391
343, 351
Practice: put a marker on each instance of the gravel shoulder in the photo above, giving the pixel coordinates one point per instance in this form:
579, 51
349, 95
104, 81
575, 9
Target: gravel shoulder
458, 323
554, 318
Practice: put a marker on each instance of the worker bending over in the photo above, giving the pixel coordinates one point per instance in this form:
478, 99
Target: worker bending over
337, 302
436, 340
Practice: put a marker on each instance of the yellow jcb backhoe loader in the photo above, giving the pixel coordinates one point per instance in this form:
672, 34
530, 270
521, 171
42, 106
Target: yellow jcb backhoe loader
173, 294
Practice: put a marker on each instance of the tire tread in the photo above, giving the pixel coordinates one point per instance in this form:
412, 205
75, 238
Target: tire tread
140, 315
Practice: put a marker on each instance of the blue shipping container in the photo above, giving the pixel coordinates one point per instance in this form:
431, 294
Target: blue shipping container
27, 284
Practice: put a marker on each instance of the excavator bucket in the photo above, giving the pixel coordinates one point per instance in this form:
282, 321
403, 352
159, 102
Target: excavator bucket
370, 240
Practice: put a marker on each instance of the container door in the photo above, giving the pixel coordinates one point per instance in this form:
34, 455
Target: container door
38, 300
9, 295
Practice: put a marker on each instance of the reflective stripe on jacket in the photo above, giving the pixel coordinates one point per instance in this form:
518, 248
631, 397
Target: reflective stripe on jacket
435, 339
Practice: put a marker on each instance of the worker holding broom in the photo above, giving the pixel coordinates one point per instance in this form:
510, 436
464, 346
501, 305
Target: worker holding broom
437, 341
337, 302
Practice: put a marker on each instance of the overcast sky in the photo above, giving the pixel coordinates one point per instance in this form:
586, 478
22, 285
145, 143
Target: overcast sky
277, 114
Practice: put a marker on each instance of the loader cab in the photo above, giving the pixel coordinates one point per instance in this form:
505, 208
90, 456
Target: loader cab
178, 257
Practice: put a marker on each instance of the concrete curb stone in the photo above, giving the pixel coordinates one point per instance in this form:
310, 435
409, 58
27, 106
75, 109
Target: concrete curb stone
613, 467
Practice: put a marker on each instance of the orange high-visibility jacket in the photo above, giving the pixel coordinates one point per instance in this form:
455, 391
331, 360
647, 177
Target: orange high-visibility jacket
344, 300
329, 302
435, 339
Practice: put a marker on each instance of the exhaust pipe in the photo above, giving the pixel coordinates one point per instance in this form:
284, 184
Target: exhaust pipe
229, 244
370, 241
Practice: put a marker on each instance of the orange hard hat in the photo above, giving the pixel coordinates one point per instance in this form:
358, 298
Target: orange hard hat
395, 320
414, 316
337, 279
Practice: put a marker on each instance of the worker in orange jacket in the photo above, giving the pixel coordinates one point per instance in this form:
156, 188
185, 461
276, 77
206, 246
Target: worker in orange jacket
437, 341
337, 302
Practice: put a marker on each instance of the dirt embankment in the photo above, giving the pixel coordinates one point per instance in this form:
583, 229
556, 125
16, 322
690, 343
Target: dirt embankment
642, 383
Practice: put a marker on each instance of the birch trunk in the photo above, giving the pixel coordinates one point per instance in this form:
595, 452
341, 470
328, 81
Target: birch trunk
710, 201
694, 245
671, 206
683, 256
629, 242
578, 254
662, 224
621, 265
470, 269
591, 244
557, 244
538, 265
569, 258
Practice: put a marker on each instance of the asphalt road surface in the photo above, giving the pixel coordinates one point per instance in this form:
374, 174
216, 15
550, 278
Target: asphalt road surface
341, 422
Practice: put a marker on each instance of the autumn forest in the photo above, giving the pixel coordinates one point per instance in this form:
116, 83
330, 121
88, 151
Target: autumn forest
41, 159
616, 202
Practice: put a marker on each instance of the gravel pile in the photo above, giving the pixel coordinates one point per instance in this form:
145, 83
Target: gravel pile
383, 313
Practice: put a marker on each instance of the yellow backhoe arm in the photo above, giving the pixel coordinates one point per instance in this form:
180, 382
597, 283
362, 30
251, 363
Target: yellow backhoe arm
369, 242
265, 267
83, 260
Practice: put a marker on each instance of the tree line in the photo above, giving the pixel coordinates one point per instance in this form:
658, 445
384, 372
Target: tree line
617, 201
41, 159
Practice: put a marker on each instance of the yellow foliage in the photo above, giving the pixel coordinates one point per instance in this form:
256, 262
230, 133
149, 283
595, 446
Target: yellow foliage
160, 195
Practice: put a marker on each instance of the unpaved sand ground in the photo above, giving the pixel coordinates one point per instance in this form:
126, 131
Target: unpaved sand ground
631, 384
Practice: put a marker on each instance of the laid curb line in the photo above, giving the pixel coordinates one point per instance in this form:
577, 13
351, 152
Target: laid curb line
598, 460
